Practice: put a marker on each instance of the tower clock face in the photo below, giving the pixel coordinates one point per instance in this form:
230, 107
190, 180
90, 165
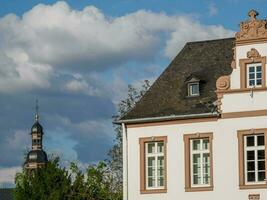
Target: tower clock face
34, 129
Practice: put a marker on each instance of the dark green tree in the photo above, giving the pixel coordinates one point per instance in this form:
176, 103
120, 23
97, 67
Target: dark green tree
49, 183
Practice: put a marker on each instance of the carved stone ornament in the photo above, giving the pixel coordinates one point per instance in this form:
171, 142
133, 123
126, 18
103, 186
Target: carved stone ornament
254, 197
223, 83
253, 28
233, 63
253, 53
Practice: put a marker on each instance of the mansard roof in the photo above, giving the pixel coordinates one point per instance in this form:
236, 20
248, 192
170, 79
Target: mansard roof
206, 60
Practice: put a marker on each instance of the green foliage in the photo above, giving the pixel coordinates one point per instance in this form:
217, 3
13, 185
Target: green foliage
49, 183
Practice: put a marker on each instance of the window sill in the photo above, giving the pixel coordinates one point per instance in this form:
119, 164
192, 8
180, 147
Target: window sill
255, 186
192, 96
154, 191
199, 189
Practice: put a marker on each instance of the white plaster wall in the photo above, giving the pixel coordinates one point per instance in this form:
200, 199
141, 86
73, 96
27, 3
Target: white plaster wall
241, 53
225, 159
248, 101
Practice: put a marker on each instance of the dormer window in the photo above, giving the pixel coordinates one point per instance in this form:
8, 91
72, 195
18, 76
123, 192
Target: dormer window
193, 89
254, 75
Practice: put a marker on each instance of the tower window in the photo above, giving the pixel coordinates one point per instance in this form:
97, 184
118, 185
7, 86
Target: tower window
193, 89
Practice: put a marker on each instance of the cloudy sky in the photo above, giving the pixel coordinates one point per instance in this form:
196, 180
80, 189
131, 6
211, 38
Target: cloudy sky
78, 56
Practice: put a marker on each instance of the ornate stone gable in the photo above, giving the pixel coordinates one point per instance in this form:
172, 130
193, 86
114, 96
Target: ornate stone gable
253, 28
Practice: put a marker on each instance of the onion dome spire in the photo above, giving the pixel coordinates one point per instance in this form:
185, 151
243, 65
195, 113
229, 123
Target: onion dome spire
37, 157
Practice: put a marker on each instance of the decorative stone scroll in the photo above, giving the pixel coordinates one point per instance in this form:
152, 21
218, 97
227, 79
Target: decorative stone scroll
233, 63
253, 53
253, 28
223, 83
254, 197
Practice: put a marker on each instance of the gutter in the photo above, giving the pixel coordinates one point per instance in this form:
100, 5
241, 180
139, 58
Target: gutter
166, 118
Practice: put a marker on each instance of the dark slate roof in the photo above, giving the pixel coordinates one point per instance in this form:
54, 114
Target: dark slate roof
6, 194
204, 60
38, 156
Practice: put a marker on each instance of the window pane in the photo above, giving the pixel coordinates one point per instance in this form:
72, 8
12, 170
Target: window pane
250, 141
196, 144
196, 159
194, 89
251, 166
160, 161
206, 179
196, 180
196, 169
205, 144
151, 147
251, 176
251, 69
151, 182
261, 176
250, 155
251, 76
261, 165
251, 82
160, 147
206, 157
260, 140
259, 82
151, 162
259, 75
150, 171
258, 68
261, 154
161, 181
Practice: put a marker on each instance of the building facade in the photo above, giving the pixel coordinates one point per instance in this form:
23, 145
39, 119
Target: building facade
200, 132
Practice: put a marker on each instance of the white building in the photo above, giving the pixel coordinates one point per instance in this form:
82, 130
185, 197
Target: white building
200, 132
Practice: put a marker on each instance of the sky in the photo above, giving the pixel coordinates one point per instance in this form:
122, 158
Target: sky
77, 57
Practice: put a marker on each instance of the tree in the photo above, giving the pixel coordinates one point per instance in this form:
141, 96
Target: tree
115, 154
49, 183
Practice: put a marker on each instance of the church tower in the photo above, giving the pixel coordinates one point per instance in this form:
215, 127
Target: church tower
37, 157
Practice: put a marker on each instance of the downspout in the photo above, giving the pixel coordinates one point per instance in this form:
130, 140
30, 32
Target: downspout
125, 162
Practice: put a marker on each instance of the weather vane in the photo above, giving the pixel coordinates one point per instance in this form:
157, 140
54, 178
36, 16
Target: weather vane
36, 110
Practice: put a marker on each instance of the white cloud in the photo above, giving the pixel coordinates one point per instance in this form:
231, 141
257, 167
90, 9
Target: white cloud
52, 38
7, 175
81, 86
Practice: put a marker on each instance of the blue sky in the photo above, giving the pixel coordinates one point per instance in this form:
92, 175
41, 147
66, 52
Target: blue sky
77, 57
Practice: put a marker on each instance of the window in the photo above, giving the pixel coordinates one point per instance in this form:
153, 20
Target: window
254, 75
198, 162
252, 72
193, 89
252, 160
153, 165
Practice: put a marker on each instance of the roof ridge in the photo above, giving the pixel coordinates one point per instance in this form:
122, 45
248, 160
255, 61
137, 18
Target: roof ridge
211, 40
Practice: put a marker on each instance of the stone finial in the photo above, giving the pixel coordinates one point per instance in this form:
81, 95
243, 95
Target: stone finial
253, 14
